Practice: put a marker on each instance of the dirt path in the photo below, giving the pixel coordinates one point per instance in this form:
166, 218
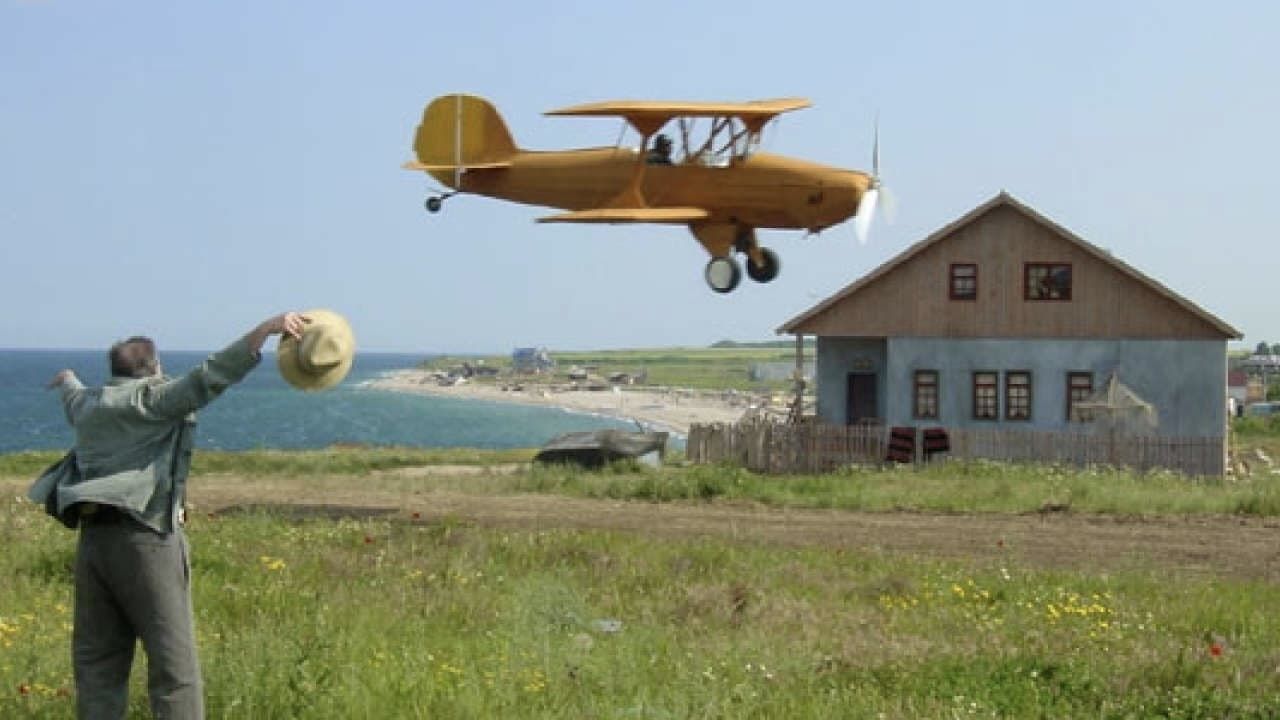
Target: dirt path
1203, 545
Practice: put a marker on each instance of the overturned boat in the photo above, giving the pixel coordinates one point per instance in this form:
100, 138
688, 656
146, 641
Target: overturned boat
596, 448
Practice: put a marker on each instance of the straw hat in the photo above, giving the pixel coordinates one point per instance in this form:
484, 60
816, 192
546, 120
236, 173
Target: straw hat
322, 357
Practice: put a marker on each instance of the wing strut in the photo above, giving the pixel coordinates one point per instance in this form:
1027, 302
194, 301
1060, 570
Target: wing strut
457, 146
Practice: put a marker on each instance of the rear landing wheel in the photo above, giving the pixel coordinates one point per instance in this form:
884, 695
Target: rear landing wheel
722, 274
768, 270
434, 203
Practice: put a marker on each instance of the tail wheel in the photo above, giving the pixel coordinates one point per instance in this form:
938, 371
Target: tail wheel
766, 271
435, 202
722, 274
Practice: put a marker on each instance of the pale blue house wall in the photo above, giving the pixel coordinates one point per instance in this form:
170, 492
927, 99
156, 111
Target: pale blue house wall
837, 357
1184, 379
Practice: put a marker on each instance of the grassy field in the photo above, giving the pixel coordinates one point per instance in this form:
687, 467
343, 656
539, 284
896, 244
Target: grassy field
370, 616
714, 368
1261, 433
986, 487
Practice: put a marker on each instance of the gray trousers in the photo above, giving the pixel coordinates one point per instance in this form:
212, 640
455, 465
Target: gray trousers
131, 584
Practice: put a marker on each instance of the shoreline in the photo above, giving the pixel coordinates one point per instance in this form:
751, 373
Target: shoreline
671, 410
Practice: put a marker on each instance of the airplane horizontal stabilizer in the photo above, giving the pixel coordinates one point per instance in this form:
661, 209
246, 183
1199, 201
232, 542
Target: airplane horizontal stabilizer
674, 215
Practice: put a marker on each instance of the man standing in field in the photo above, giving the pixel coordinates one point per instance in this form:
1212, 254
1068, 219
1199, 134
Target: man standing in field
123, 484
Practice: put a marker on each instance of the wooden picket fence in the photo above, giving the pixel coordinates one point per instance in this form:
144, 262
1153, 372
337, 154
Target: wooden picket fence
807, 447
786, 448
1194, 456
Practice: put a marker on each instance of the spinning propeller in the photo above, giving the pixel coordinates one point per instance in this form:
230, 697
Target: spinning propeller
873, 196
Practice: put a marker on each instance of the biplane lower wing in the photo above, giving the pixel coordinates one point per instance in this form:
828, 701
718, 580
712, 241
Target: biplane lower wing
413, 165
672, 215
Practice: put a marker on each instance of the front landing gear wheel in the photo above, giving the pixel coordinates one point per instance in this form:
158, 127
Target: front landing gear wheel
767, 271
722, 274
434, 203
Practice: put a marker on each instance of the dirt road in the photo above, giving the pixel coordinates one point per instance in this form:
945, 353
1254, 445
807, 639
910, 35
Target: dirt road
1223, 546
1203, 545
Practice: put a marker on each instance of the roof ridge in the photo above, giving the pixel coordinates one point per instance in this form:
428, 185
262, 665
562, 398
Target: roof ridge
1004, 198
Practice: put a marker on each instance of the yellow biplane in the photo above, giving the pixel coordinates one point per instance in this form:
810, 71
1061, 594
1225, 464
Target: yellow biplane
715, 181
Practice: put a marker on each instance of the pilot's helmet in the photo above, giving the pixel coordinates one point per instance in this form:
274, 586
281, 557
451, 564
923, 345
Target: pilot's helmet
662, 142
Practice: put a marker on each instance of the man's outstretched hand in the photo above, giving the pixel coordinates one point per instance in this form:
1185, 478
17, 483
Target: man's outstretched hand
288, 323
61, 377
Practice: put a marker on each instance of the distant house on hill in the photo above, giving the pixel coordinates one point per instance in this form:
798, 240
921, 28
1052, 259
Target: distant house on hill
1262, 364
1006, 320
1237, 387
531, 360
1262, 370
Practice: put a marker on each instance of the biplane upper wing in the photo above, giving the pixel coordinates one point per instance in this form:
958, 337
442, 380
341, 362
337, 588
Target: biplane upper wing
649, 115
672, 215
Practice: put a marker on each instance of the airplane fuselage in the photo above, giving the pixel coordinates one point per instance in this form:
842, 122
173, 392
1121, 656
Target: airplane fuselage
761, 190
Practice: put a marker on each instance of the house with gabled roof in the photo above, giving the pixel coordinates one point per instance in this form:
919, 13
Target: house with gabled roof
1004, 319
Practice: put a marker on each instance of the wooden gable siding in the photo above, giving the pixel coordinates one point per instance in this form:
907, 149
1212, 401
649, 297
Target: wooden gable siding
913, 298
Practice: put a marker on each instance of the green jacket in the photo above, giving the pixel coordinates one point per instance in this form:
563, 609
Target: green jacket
134, 440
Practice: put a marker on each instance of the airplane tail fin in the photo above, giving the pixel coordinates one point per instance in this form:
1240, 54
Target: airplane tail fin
459, 132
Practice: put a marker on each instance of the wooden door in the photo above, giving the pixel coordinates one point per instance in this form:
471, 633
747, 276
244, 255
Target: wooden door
861, 401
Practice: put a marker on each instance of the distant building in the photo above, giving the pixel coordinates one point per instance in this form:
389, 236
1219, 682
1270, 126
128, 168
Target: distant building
467, 370
531, 360
1238, 386
1262, 371
768, 371
1256, 390
1262, 365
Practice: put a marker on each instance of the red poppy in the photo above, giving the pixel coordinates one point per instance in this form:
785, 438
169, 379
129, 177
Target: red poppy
1215, 649
24, 689
368, 539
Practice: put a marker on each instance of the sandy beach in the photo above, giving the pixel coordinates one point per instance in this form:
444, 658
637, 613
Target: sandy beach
669, 409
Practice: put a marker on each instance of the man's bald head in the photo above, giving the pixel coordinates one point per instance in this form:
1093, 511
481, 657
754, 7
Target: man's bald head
134, 358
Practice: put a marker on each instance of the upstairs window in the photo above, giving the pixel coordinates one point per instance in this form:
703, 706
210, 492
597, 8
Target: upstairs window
964, 281
1047, 281
986, 396
1017, 395
926, 395
1079, 388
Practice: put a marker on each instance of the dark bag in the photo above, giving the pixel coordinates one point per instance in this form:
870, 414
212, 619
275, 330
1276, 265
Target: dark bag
45, 488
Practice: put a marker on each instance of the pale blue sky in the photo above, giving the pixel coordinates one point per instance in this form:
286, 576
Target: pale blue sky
184, 169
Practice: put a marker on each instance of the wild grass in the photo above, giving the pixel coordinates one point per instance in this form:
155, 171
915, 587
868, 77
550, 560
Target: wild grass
333, 460
949, 487
988, 487
1252, 434
1257, 427
365, 618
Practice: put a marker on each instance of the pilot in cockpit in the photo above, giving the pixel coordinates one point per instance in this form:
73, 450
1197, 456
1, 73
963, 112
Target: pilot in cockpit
660, 153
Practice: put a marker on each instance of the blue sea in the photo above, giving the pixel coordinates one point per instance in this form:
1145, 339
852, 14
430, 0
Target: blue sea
264, 412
